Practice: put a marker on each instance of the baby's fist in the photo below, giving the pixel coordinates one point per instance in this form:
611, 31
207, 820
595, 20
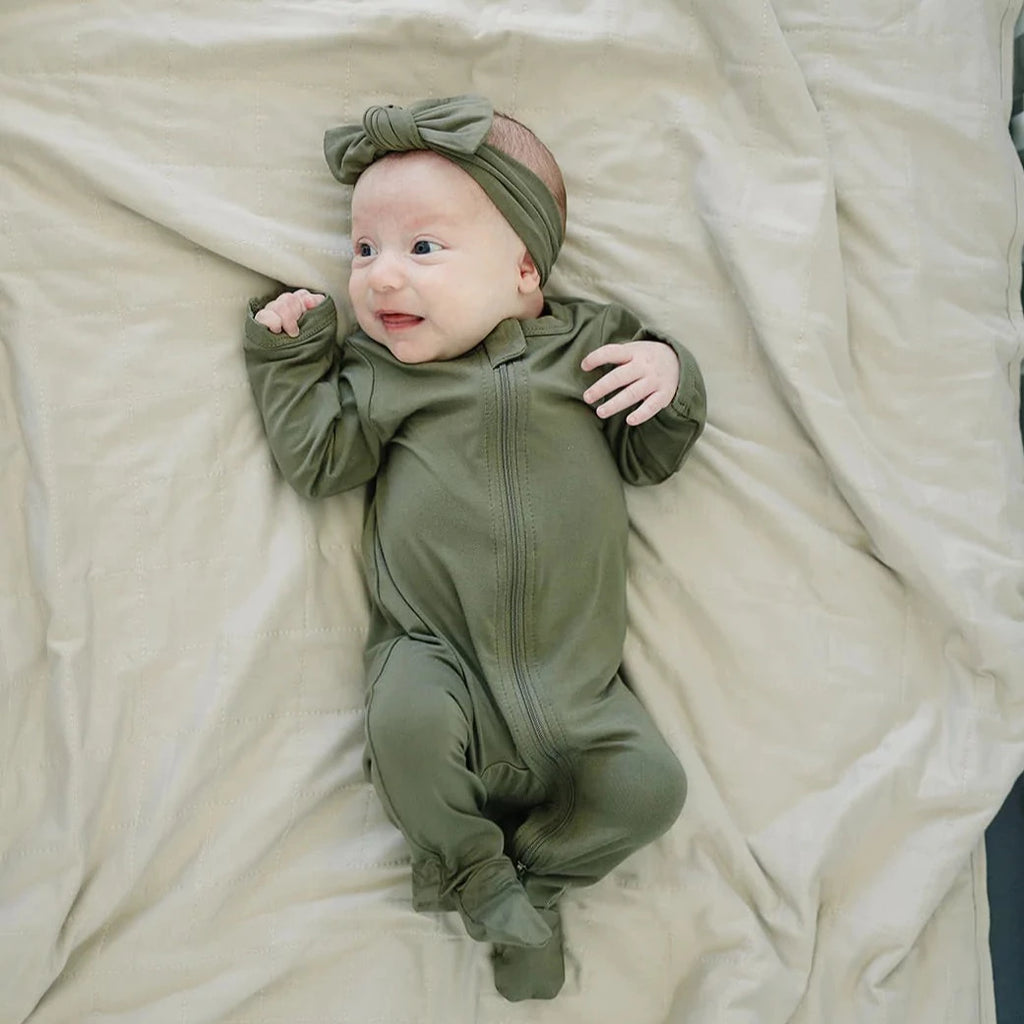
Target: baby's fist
284, 313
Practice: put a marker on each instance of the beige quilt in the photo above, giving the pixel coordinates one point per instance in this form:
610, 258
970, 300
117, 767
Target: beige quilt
827, 606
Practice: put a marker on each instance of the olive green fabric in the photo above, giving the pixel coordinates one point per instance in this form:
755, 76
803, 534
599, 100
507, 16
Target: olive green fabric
499, 730
451, 127
456, 128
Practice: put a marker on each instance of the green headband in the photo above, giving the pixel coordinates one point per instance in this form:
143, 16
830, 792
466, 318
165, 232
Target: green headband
455, 128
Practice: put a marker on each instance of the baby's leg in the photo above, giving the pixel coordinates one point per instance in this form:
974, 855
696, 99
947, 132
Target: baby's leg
628, 788
419, 723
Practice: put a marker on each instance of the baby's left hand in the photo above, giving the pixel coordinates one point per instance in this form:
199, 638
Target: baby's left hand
646, 375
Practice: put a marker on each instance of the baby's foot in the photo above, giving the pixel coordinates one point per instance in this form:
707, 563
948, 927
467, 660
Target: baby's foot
501, 912
536, 973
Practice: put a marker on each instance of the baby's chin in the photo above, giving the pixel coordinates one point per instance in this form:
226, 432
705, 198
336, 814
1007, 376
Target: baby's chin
411, 351
422, 343
413, 355
409, 355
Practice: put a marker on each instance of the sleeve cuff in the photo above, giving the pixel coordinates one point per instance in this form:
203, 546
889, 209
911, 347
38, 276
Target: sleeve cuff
312, 323
690, 400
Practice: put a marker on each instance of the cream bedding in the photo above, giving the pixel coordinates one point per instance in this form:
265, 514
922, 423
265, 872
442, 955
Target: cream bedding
827, 605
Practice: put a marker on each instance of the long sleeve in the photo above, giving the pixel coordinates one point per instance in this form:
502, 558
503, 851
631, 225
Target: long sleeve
653, 451
314, 403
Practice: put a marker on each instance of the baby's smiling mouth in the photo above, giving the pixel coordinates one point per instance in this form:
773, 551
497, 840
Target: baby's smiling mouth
396, 321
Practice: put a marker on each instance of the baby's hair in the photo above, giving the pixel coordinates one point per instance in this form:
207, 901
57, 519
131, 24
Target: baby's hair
517, 141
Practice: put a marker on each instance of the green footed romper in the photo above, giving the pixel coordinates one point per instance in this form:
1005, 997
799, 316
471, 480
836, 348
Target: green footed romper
500, 736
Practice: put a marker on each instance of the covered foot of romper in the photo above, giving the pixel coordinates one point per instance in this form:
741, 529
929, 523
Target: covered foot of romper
536, 973
495, 908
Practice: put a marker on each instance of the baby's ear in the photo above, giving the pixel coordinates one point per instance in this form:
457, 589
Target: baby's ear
529, 275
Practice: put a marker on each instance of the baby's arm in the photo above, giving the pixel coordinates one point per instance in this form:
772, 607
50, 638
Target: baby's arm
313, 400
659, 380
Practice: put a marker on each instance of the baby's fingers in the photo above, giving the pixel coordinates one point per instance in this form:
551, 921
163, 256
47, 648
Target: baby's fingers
284, 313
269, 319
310, 300
650, 407
605, 354
631, 395
289, 308
620, 377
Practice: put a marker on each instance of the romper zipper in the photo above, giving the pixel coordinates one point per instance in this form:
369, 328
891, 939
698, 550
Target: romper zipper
517, 583
517, 601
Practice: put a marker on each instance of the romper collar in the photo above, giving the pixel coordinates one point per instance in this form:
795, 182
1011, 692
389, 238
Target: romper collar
505, 342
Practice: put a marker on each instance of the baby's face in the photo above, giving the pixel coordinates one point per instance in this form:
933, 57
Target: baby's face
435, 266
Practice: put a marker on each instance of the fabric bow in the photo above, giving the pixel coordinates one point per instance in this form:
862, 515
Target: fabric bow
455, 128
451, 127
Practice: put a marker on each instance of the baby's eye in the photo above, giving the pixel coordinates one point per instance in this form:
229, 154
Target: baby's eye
424, 248
364, 249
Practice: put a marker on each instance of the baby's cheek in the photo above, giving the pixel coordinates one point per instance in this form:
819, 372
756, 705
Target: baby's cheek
354, 287
357, 298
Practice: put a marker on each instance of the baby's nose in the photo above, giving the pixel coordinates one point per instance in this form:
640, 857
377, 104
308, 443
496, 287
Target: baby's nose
386, 272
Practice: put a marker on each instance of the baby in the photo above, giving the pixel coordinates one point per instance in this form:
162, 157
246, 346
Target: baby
500, 735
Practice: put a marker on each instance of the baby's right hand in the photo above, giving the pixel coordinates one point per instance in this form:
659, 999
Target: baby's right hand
284, 313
